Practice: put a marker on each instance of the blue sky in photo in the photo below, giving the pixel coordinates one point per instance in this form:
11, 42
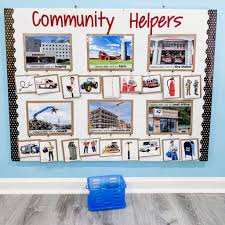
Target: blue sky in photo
63, 112
123, 110
109, 44
51, 38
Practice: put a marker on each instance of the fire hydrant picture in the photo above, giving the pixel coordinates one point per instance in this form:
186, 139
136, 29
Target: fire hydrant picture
110, 116
71, 150
89, 147
171, 150
48, 151
169, 117
111, 52
50, 118
171, 87
172, 52
52, 52
131, 84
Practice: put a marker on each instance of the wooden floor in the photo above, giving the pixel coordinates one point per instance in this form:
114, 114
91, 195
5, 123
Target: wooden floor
142, 209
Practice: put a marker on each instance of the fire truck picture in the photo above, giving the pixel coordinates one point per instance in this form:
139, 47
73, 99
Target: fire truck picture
47, 84
151, 83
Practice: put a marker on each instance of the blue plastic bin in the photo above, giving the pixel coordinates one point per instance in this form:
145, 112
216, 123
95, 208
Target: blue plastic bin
106, 192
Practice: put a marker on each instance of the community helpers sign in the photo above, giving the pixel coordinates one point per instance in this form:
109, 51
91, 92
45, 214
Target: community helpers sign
109, 85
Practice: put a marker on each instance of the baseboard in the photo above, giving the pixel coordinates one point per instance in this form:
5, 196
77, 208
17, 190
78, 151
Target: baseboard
134, 185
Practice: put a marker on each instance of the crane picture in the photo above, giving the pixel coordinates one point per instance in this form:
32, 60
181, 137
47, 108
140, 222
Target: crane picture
52, 108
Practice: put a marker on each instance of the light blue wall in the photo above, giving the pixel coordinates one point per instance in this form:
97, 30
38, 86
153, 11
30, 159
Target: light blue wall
214, 167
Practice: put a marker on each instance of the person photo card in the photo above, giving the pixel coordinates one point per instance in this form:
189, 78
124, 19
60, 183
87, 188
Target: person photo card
47, 84
25, 84
192, 87
70, 86
130, 149
172, 52
171, 150
149, 148
49, 118
90, 84
171, 87
169, 117
130, 84
110, 52
189, 149
151, 84
71, 151
29, 148
110, 116
89, 147
48, 51
48, 151
111, 87
110, 147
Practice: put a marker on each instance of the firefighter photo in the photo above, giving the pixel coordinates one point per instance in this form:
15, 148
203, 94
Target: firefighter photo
188, 87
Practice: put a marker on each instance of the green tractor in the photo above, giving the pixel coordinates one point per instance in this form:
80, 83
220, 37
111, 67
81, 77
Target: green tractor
89, 84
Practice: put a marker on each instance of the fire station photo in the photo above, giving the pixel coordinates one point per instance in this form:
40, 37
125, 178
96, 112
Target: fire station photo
169, 117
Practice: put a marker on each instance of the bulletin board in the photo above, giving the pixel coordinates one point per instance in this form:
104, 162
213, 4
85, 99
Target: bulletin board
110, 85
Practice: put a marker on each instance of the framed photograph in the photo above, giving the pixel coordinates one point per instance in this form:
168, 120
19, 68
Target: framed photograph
169, 117
131, 84
49, 118
25, 84
29, 148
48, 151
192, 87
171, 87
130, 149
47, 84
171, 52
70, 86
110, 52
149, 147
111, 87
110, 147
90, 84
48, 51
151, 84
71, 150
110, 117
189, 149
171, 150
89, 147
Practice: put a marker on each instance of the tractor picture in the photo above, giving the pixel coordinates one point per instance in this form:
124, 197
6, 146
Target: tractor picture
29, 149
47, 84
89, 84
112, 148
151, 83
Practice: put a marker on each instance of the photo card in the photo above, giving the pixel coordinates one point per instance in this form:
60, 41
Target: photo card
71, 151
169, 117
130, 149
90, 84
49, 118
47, 84
171, 149
70, 86
189, 149
149, 147
110, 116
130, 84
48, 52
89, 147
171, 52
25, 84
111, 87
110, 147
152, 84
192, 88
29, 148
110, 52
171, 87
48, 151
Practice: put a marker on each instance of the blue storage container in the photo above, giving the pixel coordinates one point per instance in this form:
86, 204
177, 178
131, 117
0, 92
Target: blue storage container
106, 192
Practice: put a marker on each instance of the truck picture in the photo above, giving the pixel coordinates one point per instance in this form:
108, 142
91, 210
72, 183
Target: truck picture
89, 84
149, 146
151, 83
29, 149
47, 84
